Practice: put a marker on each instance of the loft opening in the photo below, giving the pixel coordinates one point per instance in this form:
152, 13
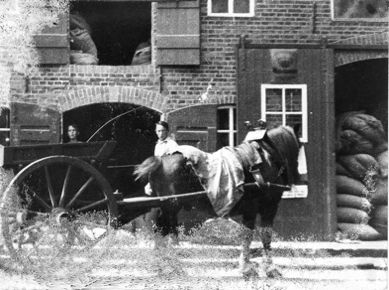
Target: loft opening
110, 32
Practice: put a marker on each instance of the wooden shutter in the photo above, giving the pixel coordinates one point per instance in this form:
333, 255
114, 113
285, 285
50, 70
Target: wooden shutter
32, 124
53, 42
195, 126
178, 33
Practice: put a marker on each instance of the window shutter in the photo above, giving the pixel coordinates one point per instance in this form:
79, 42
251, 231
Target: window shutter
32, 124
195, 126
178, 33
53, 44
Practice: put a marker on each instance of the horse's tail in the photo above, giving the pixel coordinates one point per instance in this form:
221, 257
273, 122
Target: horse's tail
143, 170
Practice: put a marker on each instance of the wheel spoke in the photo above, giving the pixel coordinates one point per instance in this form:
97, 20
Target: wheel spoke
64, 187
38, 198
50, 187
80, 191
92, 205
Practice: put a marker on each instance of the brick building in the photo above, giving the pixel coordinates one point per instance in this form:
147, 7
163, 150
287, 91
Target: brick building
214, 64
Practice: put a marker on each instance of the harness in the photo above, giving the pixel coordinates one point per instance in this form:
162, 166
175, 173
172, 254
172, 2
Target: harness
258, 171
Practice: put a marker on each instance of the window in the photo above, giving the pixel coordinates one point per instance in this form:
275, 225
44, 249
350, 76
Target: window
233, 8
4, 126
285, 105
110, 32
359, 9
226, 126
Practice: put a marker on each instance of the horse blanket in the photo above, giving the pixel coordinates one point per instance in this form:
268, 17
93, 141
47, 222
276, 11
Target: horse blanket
222, 173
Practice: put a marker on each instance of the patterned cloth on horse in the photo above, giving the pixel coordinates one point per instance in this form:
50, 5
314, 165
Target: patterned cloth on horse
222, 172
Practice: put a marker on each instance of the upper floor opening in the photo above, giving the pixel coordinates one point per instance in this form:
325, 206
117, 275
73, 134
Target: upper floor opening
110, 32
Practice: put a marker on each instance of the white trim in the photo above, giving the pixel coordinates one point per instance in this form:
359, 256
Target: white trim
5, 129
283, 113
231, 120
230, 8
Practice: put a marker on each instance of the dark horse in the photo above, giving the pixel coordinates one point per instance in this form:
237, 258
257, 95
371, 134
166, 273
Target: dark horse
279, 150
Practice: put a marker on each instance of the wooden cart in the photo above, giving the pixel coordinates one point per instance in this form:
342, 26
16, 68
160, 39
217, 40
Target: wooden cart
60, 197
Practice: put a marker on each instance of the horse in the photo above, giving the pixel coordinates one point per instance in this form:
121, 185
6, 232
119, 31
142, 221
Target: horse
262, 190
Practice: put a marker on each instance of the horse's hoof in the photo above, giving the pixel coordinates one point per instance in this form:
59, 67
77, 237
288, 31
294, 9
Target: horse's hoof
248, 270
250, 274
273, 273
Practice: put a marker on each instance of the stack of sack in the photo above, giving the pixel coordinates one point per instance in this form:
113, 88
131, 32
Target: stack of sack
83, 48
361, 177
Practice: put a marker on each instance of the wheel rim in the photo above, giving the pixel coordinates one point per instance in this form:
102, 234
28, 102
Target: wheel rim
54, 207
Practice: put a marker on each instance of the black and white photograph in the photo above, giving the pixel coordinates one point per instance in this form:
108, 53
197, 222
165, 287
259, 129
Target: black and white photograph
194, 144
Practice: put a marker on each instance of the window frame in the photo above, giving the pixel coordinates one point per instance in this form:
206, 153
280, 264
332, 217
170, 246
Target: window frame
251, 12
284, 113
6, 129
231, 122
333, 18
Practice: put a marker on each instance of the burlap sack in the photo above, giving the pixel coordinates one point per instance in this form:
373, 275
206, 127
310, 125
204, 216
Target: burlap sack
351, 215
348, 185
382, 160
353, 201
379, 220
359, 231
360, 166
380, 194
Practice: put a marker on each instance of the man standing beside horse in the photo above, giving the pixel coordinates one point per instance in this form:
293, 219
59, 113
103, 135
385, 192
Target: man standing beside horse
165, 145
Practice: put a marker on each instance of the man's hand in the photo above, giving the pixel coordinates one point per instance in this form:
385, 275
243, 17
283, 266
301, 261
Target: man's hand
148, 189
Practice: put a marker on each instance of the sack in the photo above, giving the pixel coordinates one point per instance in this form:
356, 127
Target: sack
367, 126
379, 220
382, 160
77, 21
80, 39
340, 170
142, 54
348, 185
359, 232
360, 166
380, 195
83, 58
348, 200
352, 215
350, 142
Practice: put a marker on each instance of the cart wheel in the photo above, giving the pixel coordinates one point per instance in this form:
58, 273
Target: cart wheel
53, 207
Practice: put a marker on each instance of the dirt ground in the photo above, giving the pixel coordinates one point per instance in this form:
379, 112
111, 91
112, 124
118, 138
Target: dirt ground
129, 262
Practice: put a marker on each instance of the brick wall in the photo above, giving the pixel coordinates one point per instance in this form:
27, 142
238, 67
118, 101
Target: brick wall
275, 22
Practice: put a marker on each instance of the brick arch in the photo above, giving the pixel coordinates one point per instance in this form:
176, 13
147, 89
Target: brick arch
122, 94
346, 57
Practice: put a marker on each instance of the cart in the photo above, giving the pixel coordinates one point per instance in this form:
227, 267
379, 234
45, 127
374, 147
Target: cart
60, 198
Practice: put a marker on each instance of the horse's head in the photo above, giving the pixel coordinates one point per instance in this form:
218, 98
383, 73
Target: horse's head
284, 139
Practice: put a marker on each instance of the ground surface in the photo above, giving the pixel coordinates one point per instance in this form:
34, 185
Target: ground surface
132, 263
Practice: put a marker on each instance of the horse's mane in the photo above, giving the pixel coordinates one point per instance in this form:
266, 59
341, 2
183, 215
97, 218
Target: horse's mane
285, 140
148, 166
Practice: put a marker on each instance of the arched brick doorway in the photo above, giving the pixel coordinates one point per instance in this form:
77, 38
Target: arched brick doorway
133, 132
363, 86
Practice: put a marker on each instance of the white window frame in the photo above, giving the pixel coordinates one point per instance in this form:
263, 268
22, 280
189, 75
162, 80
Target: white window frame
5, 129
230, 12
353, 19
231, 121
304, 106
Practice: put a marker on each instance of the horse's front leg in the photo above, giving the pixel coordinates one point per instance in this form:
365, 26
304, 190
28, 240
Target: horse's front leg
266, 232
246, 267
